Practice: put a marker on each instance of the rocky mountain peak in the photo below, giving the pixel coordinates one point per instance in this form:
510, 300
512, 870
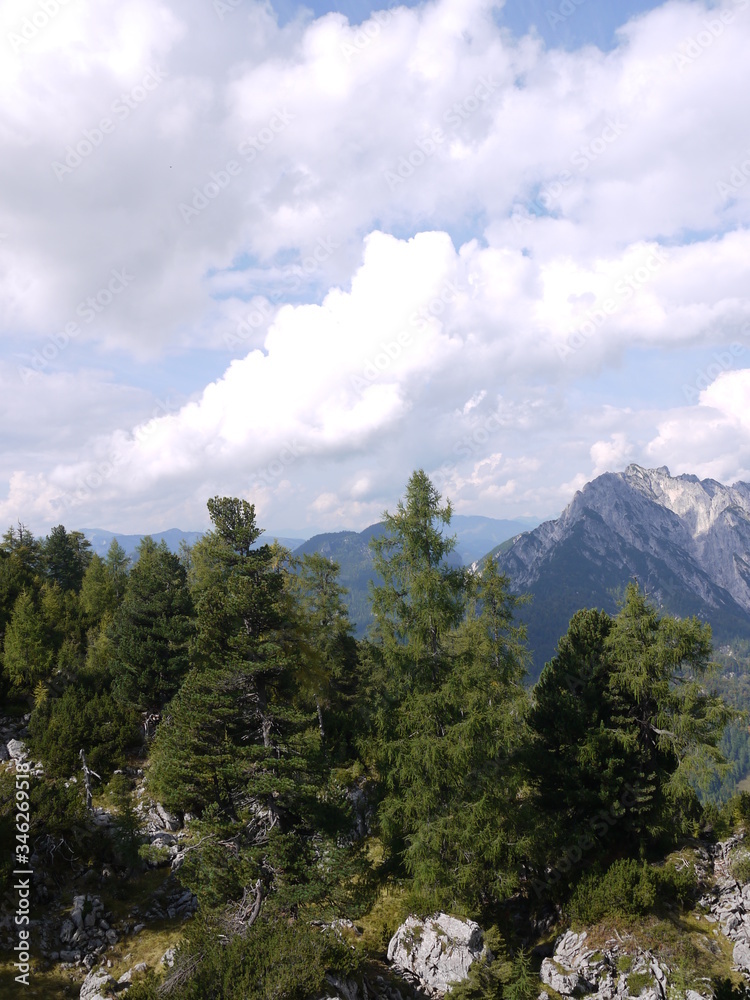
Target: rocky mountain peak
685, 540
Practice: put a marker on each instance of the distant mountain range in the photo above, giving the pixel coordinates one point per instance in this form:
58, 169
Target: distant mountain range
101, 539
475, 536
351, 550
686, 542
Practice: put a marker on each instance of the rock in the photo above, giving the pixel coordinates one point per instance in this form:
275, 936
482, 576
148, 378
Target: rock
67, 931
741, 956
168, 957
140, 967
439, 950
17, 750
97, 983
138, 928
561, 982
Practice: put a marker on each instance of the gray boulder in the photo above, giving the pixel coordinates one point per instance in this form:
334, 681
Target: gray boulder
97, 984
566, 983
439, 951
741, 956
17, 750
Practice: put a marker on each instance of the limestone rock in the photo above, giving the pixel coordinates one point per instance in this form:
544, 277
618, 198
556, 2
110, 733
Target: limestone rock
562, 982
741, 956
439, 951
97, 983
17, 750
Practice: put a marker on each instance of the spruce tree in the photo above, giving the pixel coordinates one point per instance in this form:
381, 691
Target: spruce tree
445, 674
151, 629
65, 556
623, 725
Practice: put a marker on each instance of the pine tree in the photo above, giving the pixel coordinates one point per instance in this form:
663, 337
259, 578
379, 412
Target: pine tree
118, 564
151, 629
329, 674
623, 726
28, 650
445, 675
20, 566
97, 591
65, 556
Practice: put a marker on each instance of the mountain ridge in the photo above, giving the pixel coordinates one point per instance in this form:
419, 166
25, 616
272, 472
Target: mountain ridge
686, 541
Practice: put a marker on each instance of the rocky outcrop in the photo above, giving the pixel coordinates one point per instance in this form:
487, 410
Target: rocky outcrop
577, 970
728, 902
86, 933
685, 540
98, 985
439, 951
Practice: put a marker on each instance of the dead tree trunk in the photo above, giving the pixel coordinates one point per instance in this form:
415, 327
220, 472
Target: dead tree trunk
87, 773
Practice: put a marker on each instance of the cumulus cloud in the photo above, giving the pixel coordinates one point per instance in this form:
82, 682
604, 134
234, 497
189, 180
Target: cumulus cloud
408, 242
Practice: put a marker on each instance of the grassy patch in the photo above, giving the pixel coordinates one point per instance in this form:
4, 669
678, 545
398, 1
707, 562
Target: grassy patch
380, 924
49, 985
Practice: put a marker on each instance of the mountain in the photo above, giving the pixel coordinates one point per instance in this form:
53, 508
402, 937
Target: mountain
101, 539
686, 541
351, 550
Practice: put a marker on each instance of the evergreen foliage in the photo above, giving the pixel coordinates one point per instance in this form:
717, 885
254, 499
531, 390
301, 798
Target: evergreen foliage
323, 773
445, 669
151, 629
623, 725
65, 557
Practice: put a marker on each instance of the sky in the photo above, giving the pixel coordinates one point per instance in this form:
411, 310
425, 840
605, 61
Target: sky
292, 253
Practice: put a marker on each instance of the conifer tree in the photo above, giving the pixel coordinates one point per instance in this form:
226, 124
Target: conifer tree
65, 557
152, 628
118, 566
622, 726
20, 567
97, 591
28, 652
329, 652
445, 674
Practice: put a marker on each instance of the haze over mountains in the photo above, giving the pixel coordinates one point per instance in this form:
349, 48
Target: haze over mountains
686, 542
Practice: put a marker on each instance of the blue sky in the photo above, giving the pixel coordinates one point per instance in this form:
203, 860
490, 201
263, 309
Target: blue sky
292, 253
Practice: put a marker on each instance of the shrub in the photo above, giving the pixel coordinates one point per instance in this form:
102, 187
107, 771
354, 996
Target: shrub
627, 889
281, 959
740, 866
677, 884
79, 720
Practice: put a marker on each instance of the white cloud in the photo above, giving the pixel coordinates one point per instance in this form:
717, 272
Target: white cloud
249, 192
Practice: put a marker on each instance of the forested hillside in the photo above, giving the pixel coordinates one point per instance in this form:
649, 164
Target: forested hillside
315, 782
